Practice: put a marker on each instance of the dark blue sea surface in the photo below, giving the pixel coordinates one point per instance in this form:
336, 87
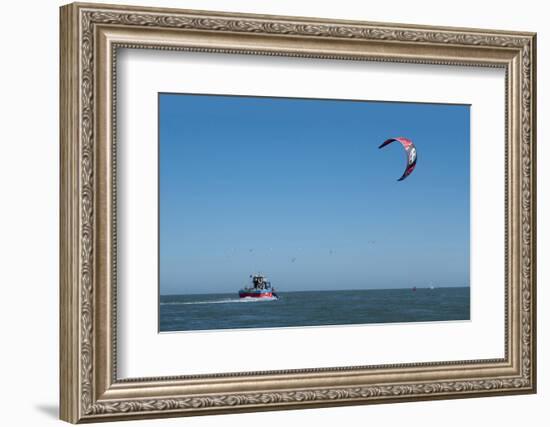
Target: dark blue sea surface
313, 308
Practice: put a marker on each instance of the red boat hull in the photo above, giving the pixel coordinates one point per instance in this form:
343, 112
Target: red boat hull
256, 294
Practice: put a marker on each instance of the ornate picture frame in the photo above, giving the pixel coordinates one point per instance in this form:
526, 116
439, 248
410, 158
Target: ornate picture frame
90, 37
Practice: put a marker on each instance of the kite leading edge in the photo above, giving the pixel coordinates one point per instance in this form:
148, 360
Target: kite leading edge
410, 149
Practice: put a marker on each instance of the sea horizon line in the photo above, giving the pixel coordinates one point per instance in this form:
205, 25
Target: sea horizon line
323, 290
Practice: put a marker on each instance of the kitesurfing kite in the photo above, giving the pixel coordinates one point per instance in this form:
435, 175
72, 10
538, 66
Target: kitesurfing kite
410, 149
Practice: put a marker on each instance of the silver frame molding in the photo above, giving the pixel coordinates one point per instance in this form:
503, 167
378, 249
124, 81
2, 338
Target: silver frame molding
90, 37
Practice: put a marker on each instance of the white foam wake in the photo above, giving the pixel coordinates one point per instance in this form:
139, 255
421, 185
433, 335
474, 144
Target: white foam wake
221, 301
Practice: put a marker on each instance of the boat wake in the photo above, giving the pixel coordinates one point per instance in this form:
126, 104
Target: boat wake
222, 301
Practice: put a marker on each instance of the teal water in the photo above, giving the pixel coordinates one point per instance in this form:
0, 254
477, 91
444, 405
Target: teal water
313, 308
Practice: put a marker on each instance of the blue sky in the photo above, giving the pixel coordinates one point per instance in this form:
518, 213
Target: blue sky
298, 190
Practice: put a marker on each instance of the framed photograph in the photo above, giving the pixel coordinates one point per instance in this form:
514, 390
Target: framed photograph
265, 213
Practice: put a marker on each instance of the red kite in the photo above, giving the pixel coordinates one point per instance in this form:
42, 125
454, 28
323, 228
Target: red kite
410, 149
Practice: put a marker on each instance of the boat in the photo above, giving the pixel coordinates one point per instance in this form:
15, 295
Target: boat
260, 288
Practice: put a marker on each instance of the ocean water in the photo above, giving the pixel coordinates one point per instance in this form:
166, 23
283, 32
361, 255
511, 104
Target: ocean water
313, 308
